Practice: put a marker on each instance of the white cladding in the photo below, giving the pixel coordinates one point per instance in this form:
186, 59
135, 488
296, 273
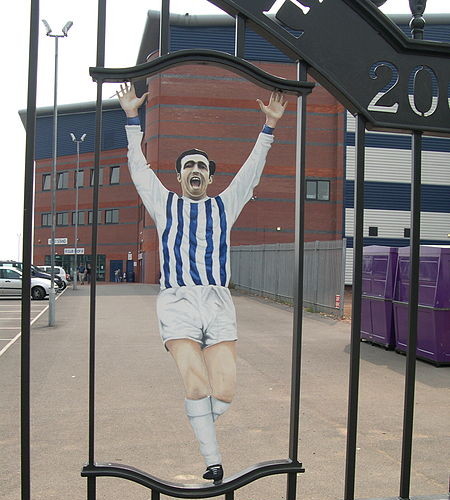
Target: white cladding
393, 165
391, 223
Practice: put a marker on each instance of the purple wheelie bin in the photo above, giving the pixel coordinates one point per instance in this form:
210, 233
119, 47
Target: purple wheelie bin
433, 324
377, 320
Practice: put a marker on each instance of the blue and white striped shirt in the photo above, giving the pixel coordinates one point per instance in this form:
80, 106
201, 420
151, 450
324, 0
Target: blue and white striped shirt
194, 236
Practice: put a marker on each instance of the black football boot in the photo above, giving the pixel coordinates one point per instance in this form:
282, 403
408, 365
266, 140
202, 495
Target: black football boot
214, 472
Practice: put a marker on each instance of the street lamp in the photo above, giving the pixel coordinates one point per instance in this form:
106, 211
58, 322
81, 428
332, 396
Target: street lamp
51, 309
75, 267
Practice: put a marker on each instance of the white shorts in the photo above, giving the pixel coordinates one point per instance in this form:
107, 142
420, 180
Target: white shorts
203, 313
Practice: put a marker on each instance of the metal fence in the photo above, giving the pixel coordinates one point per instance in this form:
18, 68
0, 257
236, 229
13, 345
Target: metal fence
267, 270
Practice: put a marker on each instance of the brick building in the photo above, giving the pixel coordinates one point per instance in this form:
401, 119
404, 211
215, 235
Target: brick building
189, 106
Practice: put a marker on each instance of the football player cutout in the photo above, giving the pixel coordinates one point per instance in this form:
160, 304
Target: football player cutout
196, 314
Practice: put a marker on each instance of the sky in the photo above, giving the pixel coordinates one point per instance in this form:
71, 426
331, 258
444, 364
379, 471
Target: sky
77, 52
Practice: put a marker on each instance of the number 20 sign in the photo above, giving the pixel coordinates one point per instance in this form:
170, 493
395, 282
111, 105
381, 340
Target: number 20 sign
415, 95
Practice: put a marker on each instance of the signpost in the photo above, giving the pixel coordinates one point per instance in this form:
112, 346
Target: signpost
58, 241
71, 251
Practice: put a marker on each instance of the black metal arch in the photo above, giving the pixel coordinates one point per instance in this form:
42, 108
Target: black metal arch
202, 56
227, 487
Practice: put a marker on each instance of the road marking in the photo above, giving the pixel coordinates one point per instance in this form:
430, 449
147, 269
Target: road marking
17, 310
7, 319
13, 341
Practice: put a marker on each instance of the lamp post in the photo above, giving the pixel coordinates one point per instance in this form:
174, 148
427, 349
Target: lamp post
52, 297
75, 267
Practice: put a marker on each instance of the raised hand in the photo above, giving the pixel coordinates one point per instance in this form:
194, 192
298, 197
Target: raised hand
128, 100
275, 109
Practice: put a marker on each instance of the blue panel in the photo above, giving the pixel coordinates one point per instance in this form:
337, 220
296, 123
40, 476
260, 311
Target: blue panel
259, 49
222, 38
396, 196
202, 37
433, 32
393, 242
400, 141
114, 136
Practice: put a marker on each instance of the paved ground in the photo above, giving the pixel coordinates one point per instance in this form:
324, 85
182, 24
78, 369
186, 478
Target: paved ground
139, 406
10, 319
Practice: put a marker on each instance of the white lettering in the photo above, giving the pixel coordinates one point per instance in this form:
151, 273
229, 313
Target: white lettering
298, 3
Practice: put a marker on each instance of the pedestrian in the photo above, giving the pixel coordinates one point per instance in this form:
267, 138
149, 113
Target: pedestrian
196, 314
88, 273
81, 274
117, 275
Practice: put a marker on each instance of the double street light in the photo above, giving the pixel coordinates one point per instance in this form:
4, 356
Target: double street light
52, 296
75, 266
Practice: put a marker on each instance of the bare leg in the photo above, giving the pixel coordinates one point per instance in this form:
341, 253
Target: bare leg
220, 362
191, 365
189, 359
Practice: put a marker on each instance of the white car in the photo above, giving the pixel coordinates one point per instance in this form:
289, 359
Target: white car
59, 271
11, 284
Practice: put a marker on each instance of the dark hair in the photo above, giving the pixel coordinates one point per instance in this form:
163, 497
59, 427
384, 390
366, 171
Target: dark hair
212, 164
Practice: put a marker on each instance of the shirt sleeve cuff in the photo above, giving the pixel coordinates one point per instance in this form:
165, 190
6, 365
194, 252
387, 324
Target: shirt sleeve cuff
267, 130
133, 121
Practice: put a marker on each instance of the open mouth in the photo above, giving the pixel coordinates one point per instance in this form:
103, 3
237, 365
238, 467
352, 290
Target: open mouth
195, 182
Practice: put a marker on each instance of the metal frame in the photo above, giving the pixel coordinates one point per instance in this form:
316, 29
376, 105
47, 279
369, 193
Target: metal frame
331, 74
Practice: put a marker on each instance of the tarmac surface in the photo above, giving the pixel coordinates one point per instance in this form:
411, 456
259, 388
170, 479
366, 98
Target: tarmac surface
140, 419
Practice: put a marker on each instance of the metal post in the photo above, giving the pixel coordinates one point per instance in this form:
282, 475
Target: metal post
414, 258
26, 254
76, 219
298, 282
164, 27
239, 39
74, 282
417, 28
316, 275
343, 266
101, 37
355, 347
52, 294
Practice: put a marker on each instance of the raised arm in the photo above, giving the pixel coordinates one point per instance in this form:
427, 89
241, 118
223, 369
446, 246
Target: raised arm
241, 187
129, 101
150, 189
274, 110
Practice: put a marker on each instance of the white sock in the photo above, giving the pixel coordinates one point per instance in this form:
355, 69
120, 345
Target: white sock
218, 407
201, 420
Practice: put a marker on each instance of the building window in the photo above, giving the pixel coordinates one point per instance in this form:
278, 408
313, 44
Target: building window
407, 232
91, 216
62, 219
318, 190
46, 182
373, 231
46, 220
62, 180
79, 176
114, 175
80, 218
112, 216
100, 181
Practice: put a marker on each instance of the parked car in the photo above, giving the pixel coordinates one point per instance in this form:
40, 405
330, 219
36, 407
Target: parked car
35, 272
11, 284
59, 271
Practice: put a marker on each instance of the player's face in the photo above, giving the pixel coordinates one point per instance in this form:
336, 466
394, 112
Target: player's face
194, 176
